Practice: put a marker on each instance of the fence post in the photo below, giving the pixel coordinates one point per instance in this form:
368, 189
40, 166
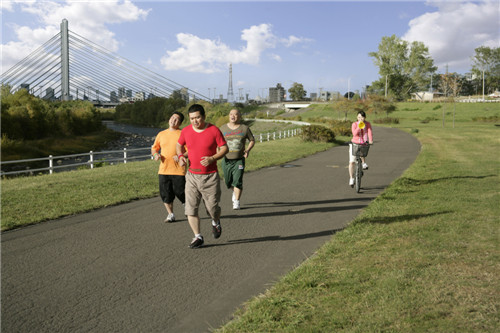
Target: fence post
267, 136
51, 164
91, 154
124, 155
260, 137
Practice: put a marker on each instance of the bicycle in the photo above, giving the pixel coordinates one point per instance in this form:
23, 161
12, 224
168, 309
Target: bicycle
359, 151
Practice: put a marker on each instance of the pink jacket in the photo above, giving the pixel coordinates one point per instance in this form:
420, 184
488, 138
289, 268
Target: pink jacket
361, 136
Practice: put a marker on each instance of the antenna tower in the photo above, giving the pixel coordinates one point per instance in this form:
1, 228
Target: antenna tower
230, 95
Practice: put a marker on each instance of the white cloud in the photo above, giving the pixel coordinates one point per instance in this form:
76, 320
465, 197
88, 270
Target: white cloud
5, 5
86, 18
294, 40
453, 31
275, 57
209, 56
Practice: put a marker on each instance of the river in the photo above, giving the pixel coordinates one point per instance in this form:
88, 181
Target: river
137, 136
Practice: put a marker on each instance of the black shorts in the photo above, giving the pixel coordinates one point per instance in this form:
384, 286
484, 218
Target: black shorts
172, 186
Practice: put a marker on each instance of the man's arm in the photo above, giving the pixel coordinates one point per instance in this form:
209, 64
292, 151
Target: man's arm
221, 152
180, 158
250, 146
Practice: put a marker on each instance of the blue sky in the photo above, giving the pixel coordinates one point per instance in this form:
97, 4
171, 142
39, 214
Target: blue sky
322, 44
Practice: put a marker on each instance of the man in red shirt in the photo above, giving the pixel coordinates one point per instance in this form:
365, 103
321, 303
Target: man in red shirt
205, 145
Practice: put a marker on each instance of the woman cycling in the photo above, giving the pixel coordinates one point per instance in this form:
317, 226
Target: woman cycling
361, 133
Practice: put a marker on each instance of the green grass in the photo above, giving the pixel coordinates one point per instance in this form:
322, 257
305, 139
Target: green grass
422, 257
29, 200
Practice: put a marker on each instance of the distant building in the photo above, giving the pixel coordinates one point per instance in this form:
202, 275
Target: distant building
277, 94
129, 93
25, 86
425, 96
325, 96
184, 94
49, 94
121, 92
313, 96
113, 98
139, 96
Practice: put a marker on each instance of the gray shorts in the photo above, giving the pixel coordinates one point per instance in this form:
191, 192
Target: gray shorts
206, 187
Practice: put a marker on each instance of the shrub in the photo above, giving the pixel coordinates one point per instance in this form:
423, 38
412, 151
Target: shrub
317, 133
387, 120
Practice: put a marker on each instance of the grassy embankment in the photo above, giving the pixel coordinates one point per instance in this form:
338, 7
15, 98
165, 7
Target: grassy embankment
422, 257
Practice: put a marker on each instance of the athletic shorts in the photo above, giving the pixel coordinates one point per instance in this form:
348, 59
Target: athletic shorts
233, 172
206, 187
172, 186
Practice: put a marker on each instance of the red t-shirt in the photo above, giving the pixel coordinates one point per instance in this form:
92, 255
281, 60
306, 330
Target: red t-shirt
201, 144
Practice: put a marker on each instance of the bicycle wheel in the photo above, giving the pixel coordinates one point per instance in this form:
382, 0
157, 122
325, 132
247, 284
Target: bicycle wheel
358, 175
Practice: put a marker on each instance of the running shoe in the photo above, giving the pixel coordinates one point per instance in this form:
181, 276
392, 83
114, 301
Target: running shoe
236, 204
365, 166
216, 230
351, 182
196, 242
170, 218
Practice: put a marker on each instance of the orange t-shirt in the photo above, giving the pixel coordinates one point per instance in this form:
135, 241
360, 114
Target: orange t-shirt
165, 142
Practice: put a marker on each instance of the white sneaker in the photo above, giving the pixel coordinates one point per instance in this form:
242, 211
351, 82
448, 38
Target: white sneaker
365, 166
236, 204
351, 182
234, 198
170, 218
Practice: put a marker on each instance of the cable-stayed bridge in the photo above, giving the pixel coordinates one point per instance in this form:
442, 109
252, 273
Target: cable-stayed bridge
69, 67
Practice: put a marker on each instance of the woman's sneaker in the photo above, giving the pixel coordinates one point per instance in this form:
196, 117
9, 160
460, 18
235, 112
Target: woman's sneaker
196, 242
365, 166
351, 182
170, 218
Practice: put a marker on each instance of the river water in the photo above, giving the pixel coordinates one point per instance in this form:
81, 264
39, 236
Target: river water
136, 136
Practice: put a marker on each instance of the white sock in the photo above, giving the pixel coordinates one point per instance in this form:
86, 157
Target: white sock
198, 236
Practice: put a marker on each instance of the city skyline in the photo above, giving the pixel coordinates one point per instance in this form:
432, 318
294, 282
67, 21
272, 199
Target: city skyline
323, 45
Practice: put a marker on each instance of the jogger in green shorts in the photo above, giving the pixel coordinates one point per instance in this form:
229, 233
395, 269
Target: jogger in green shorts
233, 164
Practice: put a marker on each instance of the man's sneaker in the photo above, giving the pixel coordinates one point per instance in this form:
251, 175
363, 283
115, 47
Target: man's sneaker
351, 182
196, 242
170, 218
216, 229
236, 204
365, 166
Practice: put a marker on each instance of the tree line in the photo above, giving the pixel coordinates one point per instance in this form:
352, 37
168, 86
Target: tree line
406, 68
153, 112
26, 117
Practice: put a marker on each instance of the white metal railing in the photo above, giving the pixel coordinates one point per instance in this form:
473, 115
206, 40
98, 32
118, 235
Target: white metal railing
280, 135
91, 159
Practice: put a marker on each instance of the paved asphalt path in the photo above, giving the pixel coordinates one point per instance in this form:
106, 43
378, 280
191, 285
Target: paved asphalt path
121, 269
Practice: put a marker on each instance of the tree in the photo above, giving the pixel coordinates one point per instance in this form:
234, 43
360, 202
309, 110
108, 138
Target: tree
486, 65
377, 104
450, 84
297, 92
404, 67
